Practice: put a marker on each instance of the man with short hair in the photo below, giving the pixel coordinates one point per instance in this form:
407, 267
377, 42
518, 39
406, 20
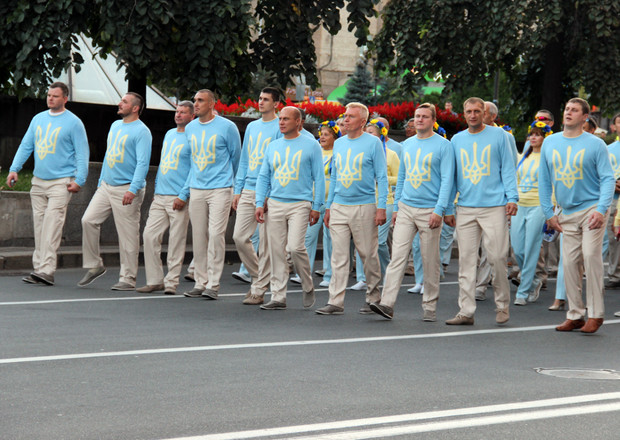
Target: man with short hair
120, 192
487, 187
424, 187
396, 147
610, 244
575, 166
410, 128
216, 147
59, 141
355, 208
258, 135
291, 172
167, 211
302, 121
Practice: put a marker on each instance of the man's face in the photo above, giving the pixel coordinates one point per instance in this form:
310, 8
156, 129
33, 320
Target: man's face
183, 116
488, 118
449, 106
544, 117
353, 120
410, 129
289, 124
126, 106
474, 114
266, 103
56, 100
423, 119
574, 115
203, 104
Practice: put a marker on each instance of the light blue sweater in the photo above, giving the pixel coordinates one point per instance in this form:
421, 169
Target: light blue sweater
426, 174
292, 169
614, 157
60, 144
579, 171
175, 164
127, 156
359, 171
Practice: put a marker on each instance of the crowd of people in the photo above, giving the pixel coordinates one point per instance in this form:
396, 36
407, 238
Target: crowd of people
386, 204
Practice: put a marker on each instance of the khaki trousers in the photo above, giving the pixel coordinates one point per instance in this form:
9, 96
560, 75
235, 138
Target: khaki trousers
109, 200
409, 222
582, 246
49, 199
357, 221
162, 218
491, 225
613, 247
258, 266
209, 210
286, 229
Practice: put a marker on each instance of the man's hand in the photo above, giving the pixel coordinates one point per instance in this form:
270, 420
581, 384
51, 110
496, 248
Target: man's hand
178, 204
73, 187
394, 215
617, 186
596, 220
326, 218
235, 201
554, 223
314, 217
511, 209
265, 207
435, 221
11, 179
128, 198
260, 215
450, 220
380, 217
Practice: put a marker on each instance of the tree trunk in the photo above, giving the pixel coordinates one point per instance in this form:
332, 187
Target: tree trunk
552, 91
137, 84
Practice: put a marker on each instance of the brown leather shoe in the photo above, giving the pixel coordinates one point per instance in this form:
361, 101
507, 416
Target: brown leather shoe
570, 324
150, 288
592, 325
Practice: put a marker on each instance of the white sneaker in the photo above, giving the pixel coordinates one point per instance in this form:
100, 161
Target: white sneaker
324, 283
242, 277
295, 279
360, 285
418, 288
617, 313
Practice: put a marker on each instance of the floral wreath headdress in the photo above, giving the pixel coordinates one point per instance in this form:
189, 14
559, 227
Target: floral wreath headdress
540, 124
439, 130
381, 126
332, 126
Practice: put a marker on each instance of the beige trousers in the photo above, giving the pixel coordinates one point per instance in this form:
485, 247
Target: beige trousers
286, 229
357, 221
49, 199
258, 266
161, 219
109, 200
209, 210
409, 222
614, 246
582, 246
491, 225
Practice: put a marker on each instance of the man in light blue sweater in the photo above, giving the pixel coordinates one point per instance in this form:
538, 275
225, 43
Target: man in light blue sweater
120, 192
168, 211
216, 147
487, 187
575, 166
59, 140
355, 207
293, 179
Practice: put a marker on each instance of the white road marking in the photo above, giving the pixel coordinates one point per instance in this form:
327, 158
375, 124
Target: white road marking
449, 334
568, 406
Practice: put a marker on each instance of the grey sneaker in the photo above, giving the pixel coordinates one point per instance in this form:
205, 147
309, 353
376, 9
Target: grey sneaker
429, 316
385, 311
194, 293
209, 294
329, 310
253, 300
122, 286
481, 295
535, 293
308, 299
150, 288
273, 305
460, 320
502, 316
520, 301
365, 310
28, 279
43, 278
189, 277
91, 276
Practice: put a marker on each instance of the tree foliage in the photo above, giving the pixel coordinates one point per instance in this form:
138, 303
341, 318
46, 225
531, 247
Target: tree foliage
360, 87
549, 49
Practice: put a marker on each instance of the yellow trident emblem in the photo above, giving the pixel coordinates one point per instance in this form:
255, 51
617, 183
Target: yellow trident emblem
564, 173
418, 174
283, 172
116, 151
46, 145
351, 172
528, 177
475, 171
256, 153
615, 166
202, 158
170, 157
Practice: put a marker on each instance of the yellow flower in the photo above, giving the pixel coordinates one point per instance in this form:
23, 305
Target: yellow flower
540, 124
384, 131
374, 121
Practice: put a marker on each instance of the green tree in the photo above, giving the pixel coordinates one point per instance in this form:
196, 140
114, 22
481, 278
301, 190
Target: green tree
360, 88
548, 49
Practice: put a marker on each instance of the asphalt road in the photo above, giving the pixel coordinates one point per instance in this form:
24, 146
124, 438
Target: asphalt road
90, 363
